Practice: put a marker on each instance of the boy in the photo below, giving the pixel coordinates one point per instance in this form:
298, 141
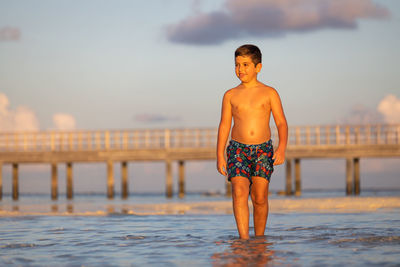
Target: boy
250, 155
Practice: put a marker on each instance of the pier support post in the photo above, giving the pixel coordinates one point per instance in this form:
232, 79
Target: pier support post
69, 181
15, 192
349, 188
181, 182
110, 180
288, 177
1, 180
124, 180
168, 182
356, 167
297, 176
54, 181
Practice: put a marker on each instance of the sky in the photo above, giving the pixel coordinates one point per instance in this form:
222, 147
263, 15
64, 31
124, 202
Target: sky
166, 64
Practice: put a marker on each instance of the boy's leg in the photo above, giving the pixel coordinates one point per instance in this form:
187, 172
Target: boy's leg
259, 197
240, 199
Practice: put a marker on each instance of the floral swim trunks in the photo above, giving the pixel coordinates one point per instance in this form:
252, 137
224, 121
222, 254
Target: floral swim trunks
250, 160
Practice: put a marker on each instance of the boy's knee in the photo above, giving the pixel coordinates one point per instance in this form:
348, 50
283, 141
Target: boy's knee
259, 199
259, 202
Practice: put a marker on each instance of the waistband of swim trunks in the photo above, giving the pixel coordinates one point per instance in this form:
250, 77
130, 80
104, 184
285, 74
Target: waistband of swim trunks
237, 144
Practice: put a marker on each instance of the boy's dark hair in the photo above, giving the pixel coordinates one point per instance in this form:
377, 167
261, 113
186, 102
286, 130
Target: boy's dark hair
251, 51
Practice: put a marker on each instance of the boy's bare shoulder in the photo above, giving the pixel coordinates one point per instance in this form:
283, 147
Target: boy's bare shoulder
231, 92
267, 88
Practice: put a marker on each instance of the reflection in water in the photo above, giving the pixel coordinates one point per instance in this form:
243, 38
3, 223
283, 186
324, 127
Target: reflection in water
124, 210
70, 208
54, 208
253, 252
61, 209
110, 209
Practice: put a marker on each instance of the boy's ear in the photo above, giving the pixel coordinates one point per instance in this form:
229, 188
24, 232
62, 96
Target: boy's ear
258, 67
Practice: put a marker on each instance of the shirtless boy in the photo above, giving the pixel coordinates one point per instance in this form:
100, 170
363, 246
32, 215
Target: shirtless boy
250, 155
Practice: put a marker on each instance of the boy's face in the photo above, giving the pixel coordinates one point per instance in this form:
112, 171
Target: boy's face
245, 69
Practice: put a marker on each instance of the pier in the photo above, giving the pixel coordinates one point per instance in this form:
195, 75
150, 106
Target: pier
350, 142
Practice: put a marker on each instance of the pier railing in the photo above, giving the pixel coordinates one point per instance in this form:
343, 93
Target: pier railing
107, 139
329, 135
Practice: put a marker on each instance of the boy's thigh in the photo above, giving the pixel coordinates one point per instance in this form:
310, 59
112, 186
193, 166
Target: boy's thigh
240, 184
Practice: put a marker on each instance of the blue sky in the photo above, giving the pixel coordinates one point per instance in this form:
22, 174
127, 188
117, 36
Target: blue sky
119, 64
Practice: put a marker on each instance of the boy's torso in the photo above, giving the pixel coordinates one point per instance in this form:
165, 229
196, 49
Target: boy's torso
251, 111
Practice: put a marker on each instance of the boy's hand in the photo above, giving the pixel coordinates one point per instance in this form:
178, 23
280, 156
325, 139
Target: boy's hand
221, 166
279, 157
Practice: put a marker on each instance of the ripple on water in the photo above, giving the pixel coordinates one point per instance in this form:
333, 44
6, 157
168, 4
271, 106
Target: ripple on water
133, 237
370, 240
19, 245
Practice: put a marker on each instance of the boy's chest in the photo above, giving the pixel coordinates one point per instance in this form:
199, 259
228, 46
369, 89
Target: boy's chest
243, 102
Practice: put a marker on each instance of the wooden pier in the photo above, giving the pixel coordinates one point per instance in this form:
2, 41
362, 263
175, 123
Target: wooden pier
350, 142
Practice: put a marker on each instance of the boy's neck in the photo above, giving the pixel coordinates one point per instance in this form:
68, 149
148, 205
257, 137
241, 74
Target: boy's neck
250, 84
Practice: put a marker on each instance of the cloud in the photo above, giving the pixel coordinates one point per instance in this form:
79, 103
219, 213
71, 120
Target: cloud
387, 111
23, 118
154, 118
10, 34
63, 121
360, 114
270, 18
20, 119
389, 107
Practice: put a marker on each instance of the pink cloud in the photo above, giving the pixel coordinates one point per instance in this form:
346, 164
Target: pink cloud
23, 118
387, 111
10, 34
360, 114
63, 121
19, 119
389, 107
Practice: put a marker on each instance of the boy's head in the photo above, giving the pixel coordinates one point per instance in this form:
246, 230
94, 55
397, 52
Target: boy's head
249, 50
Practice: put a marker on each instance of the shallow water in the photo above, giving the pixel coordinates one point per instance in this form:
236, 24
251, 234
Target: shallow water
292, 239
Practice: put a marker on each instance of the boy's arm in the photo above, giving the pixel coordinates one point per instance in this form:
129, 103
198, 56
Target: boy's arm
223, 133
281, 124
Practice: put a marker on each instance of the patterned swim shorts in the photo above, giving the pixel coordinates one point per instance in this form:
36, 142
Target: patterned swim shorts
250, 160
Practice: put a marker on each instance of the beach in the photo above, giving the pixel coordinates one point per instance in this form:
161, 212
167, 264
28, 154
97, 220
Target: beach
150, 230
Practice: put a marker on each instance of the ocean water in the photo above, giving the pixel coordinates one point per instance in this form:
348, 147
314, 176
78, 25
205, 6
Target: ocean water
118, 238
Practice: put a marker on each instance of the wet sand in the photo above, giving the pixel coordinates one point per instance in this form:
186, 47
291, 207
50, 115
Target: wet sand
284, 205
